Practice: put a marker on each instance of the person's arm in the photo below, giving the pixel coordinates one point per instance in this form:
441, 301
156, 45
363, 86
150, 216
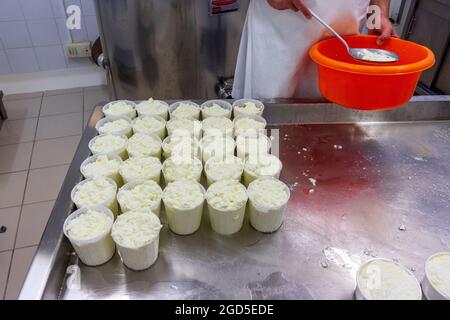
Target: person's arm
296, 5
386, 30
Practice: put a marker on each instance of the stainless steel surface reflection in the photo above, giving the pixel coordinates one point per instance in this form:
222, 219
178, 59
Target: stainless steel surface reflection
171, 49
382, 190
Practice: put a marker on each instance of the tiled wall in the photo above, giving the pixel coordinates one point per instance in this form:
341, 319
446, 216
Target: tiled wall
33, 32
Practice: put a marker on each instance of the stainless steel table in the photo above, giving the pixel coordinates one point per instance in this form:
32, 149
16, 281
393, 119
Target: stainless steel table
382, 190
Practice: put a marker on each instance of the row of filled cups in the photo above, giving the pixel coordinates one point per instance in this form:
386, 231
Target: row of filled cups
136, 231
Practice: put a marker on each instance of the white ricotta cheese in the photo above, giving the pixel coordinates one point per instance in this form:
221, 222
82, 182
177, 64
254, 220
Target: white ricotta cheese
108, 143
217, 126
263, 165
249, 126
120, 108
252, 145
386, 280
89, 225
183, 194
141, 168
140, 196
248, 108
94, 191
135, 229
438, 273
268, 193
227, 196
181, 146
153, 108
215, 146
102, 166
150, 125
182, 168
215, 110
143, 145
220, 168
185, 110
118, 126
184, 127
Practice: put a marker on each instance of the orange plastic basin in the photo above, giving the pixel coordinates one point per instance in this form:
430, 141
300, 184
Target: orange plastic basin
366, 86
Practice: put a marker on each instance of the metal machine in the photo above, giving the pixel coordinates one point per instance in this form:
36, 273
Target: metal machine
171, 49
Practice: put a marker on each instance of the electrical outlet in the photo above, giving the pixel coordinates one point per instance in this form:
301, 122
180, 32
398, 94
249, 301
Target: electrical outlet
78, 50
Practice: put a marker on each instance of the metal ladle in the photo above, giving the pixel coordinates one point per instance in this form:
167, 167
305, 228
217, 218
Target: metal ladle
362, 54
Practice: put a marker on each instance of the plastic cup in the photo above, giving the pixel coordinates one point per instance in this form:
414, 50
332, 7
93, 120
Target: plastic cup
248, 145
238, 111
131, 114
194, 174
124, 206
214, 146
228, 109
155, 175
142, 257
113, 175
128, 132
144, 152
194, 130
180, 146
226, 222
110, 203
431, 291
95, 251
142, 111
160, 132
229, 160
239, 131
175, 105
217, 130
250, 176
183, 221
266, 219
121, 152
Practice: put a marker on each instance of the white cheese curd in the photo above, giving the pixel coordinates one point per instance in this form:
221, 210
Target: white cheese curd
226, 206
97, 191
261, 165
182, 168
377, 57
248, 107
102, 165
185, 110
141, 169
144, 145
216, 146
249, 125
140, 195
381, 279
215, 110
110, 144
183, 201
224, 168
120, 108
184, 127
150, 125
181, 146
115, 126
136, 235
153, 107
89, 232
214, 126
268, 200
252, 145
437, 271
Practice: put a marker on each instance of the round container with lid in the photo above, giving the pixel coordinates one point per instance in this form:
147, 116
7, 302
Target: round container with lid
249, 125
261, 165
223, 168
120, 126
184, 110
227, 201
109, 144
216, 108
436, 282
146, 168
140, 195
268, 201
144, 145
102, 165
245, 107
97, 191
184, 127
216, 146
217, 126
183, 202
136, 235
89, 231
153, 107
180, 146
150, 125
182, 168
252, 145
383, 279
120, 108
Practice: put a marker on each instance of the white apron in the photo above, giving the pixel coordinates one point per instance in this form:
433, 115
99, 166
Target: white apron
273, 60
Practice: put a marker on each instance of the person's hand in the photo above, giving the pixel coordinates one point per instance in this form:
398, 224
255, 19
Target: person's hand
296, 5
385, 32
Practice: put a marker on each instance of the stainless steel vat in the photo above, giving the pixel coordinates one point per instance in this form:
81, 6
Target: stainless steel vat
169, 49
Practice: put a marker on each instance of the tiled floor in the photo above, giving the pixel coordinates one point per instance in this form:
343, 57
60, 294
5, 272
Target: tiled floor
37, 143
